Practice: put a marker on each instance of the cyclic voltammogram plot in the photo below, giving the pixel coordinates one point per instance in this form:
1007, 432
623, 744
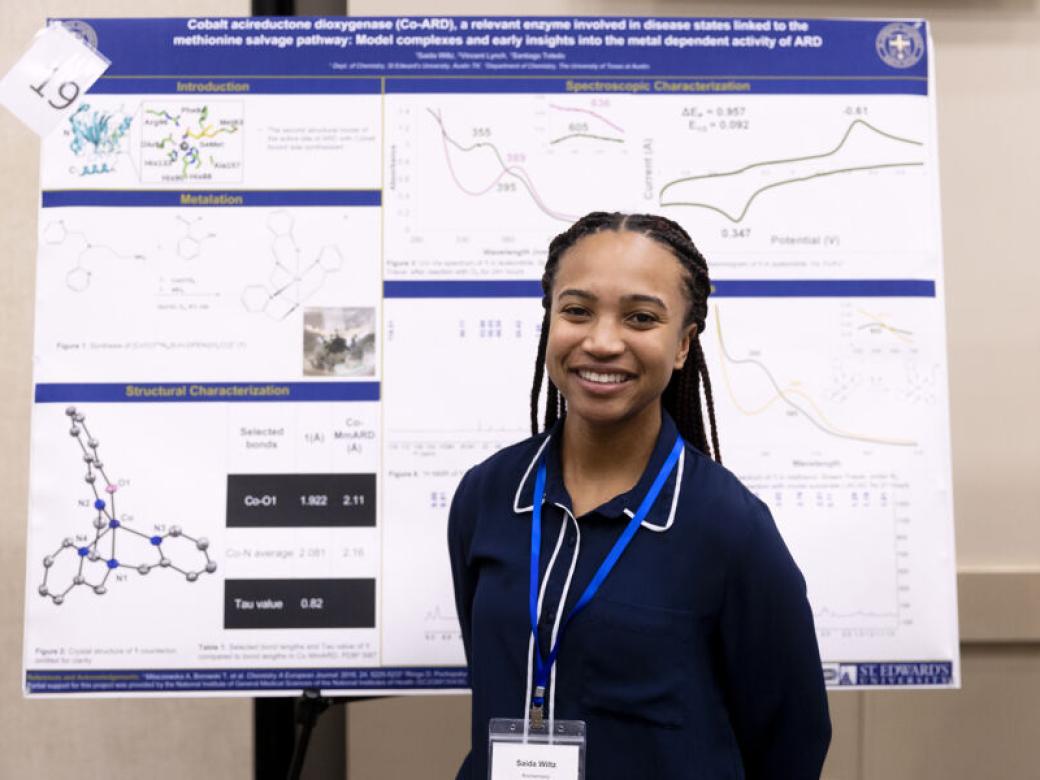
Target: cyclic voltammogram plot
731, 194
115, 546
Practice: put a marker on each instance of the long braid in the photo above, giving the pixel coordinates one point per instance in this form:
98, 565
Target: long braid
682, 396
709, 401
539, 372
552, 404
687, 407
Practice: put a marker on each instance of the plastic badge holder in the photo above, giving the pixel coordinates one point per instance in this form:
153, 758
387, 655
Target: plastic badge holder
536, 754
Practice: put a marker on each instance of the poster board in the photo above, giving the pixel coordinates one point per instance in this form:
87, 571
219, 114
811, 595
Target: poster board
287, 294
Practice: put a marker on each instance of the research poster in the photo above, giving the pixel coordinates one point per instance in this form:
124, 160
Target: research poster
287, 293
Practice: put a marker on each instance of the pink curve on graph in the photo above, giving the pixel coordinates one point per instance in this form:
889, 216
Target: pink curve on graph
590, 112
516, 171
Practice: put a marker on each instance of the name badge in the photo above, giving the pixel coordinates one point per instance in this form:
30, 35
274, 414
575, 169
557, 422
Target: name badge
536, 753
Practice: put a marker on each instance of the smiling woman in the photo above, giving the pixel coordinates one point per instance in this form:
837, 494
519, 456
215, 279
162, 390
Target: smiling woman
612, 350
654, 254
617, 333
667, 620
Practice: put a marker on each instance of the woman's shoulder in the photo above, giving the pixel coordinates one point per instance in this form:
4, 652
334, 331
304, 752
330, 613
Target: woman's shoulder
723, 505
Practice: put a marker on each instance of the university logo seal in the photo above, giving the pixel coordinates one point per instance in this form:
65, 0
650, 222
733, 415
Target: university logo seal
82, 30
900, 45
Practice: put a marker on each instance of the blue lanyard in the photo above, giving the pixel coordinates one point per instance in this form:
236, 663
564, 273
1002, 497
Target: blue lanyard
544, 666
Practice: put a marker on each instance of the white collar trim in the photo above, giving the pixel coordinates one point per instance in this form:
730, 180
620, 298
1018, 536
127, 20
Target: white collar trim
645, 524
523, 480
675, 499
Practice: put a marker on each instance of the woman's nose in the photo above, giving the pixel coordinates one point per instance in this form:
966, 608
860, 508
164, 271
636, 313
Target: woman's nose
604, 337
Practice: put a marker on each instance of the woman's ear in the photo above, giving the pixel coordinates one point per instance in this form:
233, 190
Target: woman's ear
689, 334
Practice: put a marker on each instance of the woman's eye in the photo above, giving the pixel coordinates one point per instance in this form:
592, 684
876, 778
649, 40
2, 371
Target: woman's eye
643, 318
574, 311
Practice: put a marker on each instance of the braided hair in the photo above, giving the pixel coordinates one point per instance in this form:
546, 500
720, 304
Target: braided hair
682, 397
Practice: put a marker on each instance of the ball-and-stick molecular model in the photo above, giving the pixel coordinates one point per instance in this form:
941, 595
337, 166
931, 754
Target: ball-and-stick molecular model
97, 558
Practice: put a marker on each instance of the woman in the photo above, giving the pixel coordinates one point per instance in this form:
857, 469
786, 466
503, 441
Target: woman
696, 656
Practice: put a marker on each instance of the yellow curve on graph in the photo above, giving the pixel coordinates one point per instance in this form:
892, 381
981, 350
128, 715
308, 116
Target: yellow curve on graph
903, 335
784, 394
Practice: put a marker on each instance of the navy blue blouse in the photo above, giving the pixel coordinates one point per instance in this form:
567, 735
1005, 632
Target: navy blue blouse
696, 659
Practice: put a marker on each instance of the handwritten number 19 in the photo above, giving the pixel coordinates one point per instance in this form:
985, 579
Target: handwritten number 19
68, 91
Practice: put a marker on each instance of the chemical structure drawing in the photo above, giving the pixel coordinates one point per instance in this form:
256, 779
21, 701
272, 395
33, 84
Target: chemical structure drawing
94, 562
88, 253
96, 139
294, 279
184, 142
189, 245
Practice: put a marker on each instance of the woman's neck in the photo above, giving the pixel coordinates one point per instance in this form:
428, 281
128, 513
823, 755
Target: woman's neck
602, 461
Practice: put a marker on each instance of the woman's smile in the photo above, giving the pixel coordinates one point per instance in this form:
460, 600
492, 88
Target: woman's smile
603, 377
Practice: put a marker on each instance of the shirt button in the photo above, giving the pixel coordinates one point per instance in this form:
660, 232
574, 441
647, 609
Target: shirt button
570, 541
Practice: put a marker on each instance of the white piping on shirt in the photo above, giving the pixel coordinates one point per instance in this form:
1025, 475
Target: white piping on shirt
559, 612
530, 641
569, 517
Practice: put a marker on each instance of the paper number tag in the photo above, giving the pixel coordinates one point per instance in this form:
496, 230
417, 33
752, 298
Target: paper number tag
50, 78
